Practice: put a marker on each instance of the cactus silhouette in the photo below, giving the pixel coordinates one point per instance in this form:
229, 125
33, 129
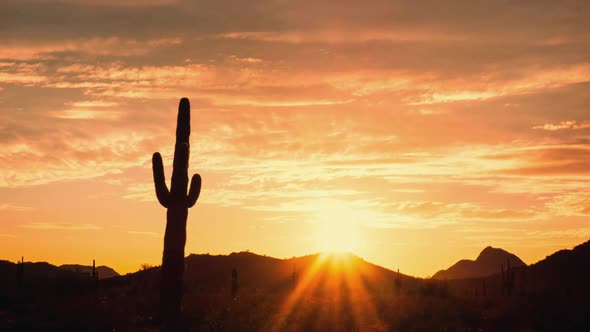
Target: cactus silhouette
94, 279
177, 203
20, 272
234, 284
507, 278
294, 276
398, 282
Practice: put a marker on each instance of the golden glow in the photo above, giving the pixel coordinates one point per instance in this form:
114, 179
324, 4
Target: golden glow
336, 227
345, 280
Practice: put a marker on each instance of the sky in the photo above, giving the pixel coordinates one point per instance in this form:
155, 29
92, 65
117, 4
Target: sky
413, 134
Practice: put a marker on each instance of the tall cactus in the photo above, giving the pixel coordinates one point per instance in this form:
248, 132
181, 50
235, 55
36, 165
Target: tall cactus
177, 203
94, 279
20, 272
234, 283
507, 278
398, 282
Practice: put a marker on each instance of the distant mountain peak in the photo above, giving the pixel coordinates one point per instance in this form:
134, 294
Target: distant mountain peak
488, 262
489, 249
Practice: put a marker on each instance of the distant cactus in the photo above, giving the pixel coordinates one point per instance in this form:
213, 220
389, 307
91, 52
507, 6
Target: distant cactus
507, 278
294, 276
234, 283
94, 279
523, 280
93, 275
177, 203
20, 272
398, 282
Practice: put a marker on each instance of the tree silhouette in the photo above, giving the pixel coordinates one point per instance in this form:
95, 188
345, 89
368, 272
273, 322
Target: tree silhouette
177, 203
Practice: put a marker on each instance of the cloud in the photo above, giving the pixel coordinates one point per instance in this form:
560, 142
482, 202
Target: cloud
551, 161
86, 114
571, 203
61, 226
145, 233
563, 125
469, 115
12, 207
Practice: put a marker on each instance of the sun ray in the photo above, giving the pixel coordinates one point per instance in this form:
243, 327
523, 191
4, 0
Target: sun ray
292, 300
362, 304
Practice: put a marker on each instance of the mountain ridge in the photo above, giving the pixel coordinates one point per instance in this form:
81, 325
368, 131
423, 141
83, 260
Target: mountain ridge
41, 270
488, 262
102, 270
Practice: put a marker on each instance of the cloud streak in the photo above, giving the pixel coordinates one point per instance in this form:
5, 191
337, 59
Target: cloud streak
61, 226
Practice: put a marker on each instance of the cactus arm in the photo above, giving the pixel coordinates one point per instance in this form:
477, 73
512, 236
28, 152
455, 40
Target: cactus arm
194, 190
159, 180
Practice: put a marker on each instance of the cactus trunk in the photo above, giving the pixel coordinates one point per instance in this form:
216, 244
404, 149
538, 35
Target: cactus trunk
177, 203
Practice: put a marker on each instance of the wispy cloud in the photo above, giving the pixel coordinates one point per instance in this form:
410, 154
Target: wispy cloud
61, 226
7, 235
13, 207
145, 233
564, 125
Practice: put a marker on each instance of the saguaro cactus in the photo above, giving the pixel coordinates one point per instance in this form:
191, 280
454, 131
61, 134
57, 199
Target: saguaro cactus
294, 276
234, 284
177, 202
94, 279
507, 278
398, 282
20, 272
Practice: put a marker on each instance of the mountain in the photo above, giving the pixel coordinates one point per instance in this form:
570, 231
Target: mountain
264, 272
487, 263
44, 270
564, 272
311, 293
103, 271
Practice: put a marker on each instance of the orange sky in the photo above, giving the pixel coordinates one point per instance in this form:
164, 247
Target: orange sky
412, 134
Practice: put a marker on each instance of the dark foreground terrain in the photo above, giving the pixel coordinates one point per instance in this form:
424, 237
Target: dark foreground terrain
311, 293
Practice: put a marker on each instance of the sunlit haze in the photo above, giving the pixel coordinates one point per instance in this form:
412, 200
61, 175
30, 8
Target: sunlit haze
411, 138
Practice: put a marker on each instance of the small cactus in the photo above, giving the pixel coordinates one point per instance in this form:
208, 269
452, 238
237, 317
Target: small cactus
94, 279
294, 276
234, 283
507, 278
20, 272
398, 282
523, 280
177, 202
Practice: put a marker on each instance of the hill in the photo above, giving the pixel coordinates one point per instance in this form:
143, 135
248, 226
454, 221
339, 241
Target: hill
311, 293
564, 272
264, 272
44, 270
103, 271
487, 263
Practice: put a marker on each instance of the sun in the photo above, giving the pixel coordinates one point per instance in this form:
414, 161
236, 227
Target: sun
337, 227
